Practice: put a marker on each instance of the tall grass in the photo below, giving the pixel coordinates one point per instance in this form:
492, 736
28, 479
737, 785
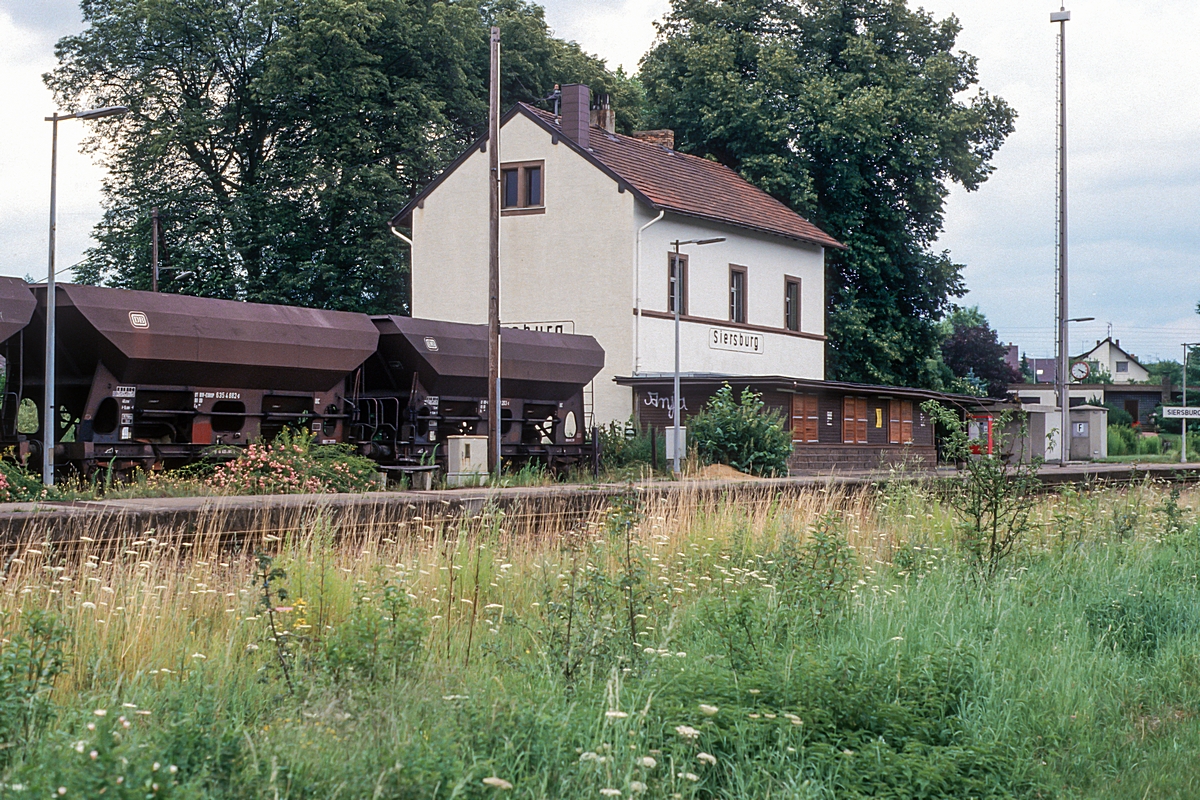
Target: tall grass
689, 646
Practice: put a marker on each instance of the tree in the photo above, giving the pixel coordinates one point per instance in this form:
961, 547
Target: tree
278, 136
972, 350
854, 113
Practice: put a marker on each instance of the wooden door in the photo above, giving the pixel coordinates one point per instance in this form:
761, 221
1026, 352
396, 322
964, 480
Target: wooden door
854, 420
804, 418
900, 427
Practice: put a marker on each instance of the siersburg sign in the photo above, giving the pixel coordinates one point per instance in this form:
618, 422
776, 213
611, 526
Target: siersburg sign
738, 341
1179, 412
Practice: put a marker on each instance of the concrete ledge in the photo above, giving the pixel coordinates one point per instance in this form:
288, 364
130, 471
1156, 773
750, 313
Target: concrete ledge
551, 509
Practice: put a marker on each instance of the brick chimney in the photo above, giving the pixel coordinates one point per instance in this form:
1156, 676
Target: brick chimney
663, 136
576, 113
603, 116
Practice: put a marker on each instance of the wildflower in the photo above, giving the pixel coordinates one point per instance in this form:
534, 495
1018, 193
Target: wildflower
611, 792
688, 776
707, 758
79, 746
648, 762
687, 731
615, 714
100, 712
87, 604
708, 710
62, 790
499, 783
94, 755
199, 655
172, 769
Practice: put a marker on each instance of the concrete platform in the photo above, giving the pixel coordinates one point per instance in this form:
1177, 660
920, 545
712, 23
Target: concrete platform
555, 508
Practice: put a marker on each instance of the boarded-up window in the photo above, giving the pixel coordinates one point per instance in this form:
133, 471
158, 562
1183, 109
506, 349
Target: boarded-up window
854, 420
900, 428
805, 418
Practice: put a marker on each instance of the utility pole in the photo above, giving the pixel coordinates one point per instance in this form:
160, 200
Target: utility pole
494, 254
1064, 374
154, 250
1183, 422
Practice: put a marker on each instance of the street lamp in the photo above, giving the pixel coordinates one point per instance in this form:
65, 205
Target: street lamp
50, 412
1183, 421
1064, 379
678, 298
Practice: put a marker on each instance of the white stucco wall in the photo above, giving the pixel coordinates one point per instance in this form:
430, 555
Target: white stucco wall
1108, 356
574, 262
767, 260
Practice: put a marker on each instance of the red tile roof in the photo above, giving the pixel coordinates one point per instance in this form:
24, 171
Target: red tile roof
693, 186
665, 180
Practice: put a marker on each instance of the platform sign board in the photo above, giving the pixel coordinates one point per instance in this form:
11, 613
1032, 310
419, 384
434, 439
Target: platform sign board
1179, 412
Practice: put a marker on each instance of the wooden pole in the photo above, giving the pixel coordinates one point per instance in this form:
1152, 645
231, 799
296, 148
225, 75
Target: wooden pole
494, 254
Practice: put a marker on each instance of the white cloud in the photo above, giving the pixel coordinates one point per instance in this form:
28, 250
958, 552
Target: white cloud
25, 143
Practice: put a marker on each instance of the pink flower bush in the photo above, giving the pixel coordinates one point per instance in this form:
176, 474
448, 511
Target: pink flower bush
292, 464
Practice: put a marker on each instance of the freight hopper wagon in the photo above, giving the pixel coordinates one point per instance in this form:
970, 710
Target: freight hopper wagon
149, 379
428, 381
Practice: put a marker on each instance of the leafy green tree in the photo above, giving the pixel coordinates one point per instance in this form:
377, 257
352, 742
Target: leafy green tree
972, 352
278, 136
855, 113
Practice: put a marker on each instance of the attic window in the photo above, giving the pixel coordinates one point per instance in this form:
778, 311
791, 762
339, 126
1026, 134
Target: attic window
1122, 366
522, 188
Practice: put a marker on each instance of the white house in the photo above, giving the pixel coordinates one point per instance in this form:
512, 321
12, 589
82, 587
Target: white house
587, 230
1108, 355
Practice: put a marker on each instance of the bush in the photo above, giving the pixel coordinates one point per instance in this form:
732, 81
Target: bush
742, 434
1118, 416
292, 464
1122, 440
993, 498
382, 638
18, 485
31, 658
625, 444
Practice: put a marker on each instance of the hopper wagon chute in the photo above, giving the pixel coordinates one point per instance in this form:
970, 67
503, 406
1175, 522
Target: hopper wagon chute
428, 381
150, 378
17, 305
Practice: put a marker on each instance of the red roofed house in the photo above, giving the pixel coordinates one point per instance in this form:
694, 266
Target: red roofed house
587, 224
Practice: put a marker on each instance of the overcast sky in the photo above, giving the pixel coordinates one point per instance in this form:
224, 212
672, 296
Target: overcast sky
1133, 156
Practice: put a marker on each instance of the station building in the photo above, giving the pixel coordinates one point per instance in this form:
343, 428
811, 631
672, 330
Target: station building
588, 231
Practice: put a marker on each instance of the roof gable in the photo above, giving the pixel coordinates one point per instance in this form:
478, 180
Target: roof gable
1112, 346
665, 180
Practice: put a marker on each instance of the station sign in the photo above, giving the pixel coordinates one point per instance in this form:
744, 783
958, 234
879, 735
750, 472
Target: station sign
735, 340
1180, 412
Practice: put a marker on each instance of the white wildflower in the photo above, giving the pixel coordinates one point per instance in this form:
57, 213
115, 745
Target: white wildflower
707, 758
499, 783
687, 731
708, 710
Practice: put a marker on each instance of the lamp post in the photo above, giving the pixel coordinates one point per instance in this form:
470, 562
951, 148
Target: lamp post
1064, 378
1183, 421
677, 296
50, 412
